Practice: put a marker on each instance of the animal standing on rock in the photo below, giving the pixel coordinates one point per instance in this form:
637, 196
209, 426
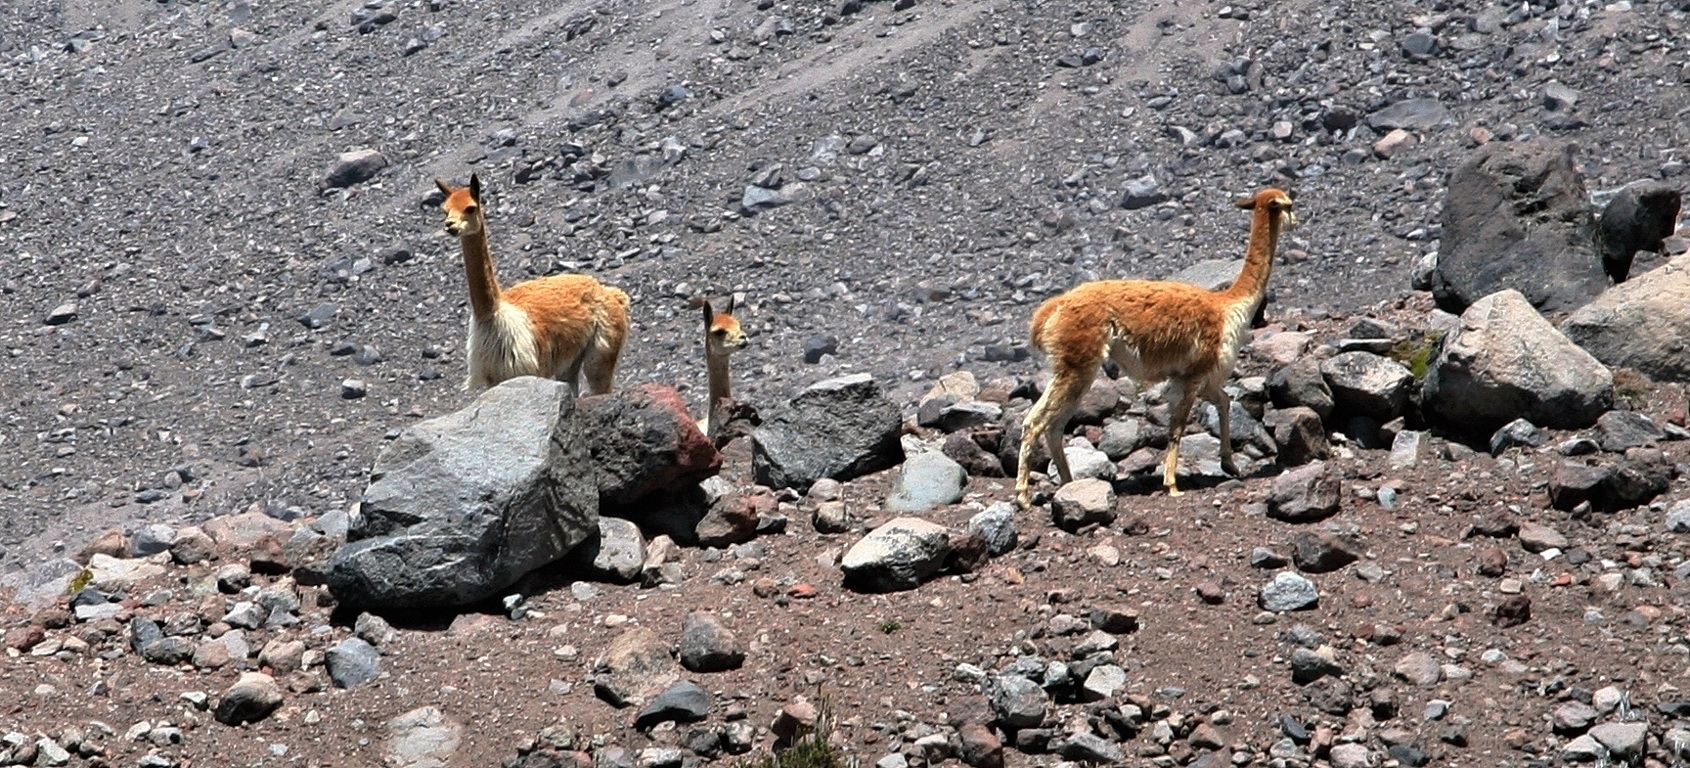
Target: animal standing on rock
1153, 331
556, 327
722, 337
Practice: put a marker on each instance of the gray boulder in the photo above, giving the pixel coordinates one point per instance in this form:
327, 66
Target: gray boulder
1639, 218
1365, 384
927, 480
1642, 323
840, 428
442, 524
1301, 384
1305, 494
896, 556
354, 167
1516, 217
1411, 114
1506, 362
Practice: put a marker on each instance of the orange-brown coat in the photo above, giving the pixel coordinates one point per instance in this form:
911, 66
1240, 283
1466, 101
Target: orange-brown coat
558, 327
1154, 331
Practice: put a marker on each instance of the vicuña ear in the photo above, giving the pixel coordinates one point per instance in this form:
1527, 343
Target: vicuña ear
1246, 203
709, 312
730, 303
444, 190
475, 186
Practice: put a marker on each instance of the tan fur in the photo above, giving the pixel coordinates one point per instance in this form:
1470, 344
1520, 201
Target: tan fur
557, 327
1153, 331
722, 337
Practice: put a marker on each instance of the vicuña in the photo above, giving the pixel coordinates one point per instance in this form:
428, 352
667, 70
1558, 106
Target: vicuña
557, 327
1153, 331
722, 337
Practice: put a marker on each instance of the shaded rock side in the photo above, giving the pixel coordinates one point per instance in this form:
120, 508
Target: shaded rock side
444, 524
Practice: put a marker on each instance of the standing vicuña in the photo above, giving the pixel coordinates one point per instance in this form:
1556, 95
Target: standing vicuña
722, 337
556, 327
1153, 331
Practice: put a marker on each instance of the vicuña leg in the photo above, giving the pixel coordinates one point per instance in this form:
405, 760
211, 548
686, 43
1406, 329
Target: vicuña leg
1182, 397
1223, 405
600, 366
1046, 421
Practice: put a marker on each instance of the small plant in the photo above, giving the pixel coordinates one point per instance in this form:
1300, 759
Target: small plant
889, 626
79, 582
811, 749
1415, 352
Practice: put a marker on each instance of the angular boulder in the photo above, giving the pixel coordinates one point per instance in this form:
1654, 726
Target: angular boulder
444, 524
840, 428
1643, 323
896, 556
1639, 218
926, 480
1365, 384
644, 442
1516, 217
1506, 362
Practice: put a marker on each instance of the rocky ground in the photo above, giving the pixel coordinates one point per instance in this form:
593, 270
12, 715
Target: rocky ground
212, 313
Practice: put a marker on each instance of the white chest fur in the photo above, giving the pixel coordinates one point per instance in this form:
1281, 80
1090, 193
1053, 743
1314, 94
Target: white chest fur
502, 347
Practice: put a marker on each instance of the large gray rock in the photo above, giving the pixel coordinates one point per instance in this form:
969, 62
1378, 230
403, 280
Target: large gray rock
1639, 218
839, 428
644, 442
1643, 323
1506, 362
896, 556
926, 480
422, 738
1516, 217
1365, 384
443, 524
1016, 701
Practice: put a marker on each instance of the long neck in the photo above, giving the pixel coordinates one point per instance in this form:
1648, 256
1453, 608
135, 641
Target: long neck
717, 364
478, 271
1252, 281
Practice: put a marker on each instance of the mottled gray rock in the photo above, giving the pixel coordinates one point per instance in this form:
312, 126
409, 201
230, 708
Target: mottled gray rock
996, 525
1572, 717
1016, 701
1299, 435
1419, 668
709, 646
1678, 517
618, 551
1323, 551
1085, 462
1618, 430
1305, 494
354, 167
635, 667
1365, 384
253, 697
898, 555
840, 428
1515, 217
1288, 591
1302, 384
442, 525
352, 661
1507, 362
926, 481
1537, 537
1089, 748
1141, 192
1083, 502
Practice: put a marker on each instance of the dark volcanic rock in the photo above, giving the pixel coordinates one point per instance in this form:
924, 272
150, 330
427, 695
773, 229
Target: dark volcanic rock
1516, 217
1639, 218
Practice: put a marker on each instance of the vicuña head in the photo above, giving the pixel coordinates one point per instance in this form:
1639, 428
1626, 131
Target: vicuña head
722, 334
558, 327
1154, 331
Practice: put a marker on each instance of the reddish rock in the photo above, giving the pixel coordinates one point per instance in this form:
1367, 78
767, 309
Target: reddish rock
1492, 562
112, 543
21, 639
645, 442
1513, 612
980, 747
